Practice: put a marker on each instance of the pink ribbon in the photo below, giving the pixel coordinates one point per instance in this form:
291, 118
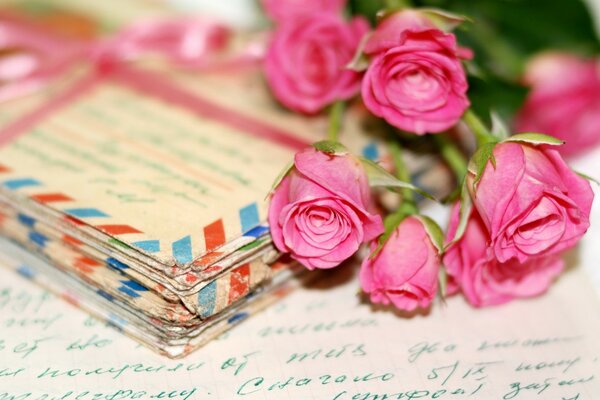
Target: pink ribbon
190, 43
185, 43
30, 58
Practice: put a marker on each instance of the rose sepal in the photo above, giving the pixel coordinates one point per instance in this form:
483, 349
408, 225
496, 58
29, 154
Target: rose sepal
280, 177
331, 147
360, 61
535, 139
443, 283
379, 177
391, 222
466, 205
443, 20
433, 230
479, 160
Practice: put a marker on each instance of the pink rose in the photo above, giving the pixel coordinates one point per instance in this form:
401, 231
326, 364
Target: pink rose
405, 271
485, 281
320, 213
531, 203
279, 10
564, 100
388, 33
306, 62
418, 84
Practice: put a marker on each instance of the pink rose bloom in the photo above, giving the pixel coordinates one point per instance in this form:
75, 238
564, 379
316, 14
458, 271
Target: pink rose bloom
485, 281
388, 33
306, 62
417, 84
405, 271
320, 212
279, 10
531, 203
564, 100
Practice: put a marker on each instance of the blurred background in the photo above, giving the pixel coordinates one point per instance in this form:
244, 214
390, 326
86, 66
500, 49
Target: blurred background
247, 12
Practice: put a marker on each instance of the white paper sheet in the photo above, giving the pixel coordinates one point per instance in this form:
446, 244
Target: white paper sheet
319, 343
323, 343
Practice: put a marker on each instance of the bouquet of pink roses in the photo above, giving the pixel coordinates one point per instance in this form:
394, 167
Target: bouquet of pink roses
430, 72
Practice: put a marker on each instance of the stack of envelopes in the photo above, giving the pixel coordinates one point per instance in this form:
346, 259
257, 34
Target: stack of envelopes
140, 196
153, 211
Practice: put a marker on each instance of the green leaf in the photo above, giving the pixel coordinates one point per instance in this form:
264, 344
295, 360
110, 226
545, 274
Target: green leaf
535, 139
330, 147
281, 176
507, 32
434, 231
379, 177
444, 20
366, 8
480, 159
466, 205
589, 178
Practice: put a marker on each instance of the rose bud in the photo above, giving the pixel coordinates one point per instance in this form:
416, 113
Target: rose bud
415, 79
320, 213
531, 202
305, 65
405, 271
564, 100
280, 10
484, 280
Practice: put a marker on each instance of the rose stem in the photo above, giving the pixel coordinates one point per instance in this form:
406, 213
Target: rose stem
336, 113
408, 205
452, 155
481, 133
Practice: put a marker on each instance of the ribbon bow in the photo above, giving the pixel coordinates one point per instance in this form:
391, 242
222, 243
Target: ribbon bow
186, 43
189, 43
29, 58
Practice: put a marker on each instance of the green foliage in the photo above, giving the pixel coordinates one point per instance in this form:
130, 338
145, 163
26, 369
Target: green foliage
506, 33
490, 94
367, 8
379, 177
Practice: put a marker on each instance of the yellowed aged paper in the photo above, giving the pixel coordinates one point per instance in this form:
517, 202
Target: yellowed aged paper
164, 180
